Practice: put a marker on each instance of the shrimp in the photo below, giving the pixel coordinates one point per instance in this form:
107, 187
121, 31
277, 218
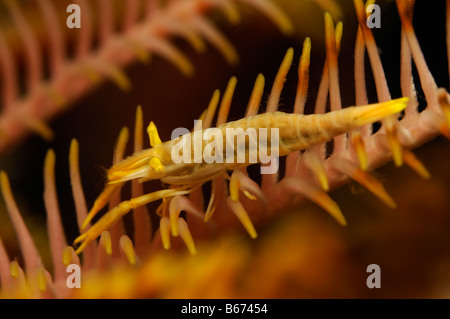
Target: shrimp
296, 132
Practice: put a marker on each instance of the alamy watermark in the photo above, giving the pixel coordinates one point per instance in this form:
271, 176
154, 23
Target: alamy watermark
373, 12
74, 279
74, 19
374, 279
248, 146
374, 16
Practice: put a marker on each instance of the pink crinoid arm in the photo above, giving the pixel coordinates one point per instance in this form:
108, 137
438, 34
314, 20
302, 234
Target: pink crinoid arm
50, 91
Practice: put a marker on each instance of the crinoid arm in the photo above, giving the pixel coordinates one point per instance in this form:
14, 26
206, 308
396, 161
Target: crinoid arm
53, 89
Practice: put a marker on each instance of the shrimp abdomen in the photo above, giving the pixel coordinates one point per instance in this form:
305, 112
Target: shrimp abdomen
299, 132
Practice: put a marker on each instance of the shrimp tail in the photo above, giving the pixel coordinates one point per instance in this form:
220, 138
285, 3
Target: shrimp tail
304, 131
376, 112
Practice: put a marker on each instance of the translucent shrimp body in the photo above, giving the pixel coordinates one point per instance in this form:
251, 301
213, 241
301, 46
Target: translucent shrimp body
296, 132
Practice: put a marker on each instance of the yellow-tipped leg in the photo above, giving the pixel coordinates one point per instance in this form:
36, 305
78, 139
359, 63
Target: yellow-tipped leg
209, 213
365, 179
445, 130
82, 238
211, 110
256, 96
372, 184
41, 278
127, 248
412, 161
115, 214
276, 15
101, 201
445, 106
196, 42
360, 149
234, 187
106, 242
278, 84
103, 224
331, 207
16, 272
316, 164
69, 256
316, 195
174, 214
201, 118
186, 236
121, 144
211, 205
139, 51
446, 110
153, 135
243, 217
303, 78
14, 269
179, 204
226, 101
235, 204
109, 70
395, 146
117, 76
39, 127
164, 230
232, 13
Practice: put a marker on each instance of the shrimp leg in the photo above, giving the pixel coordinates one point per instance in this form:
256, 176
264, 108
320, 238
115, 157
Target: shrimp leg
236, 206
111, 217
101, 201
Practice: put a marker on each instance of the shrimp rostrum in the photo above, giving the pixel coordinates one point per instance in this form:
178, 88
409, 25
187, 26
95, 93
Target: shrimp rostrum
182, 164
